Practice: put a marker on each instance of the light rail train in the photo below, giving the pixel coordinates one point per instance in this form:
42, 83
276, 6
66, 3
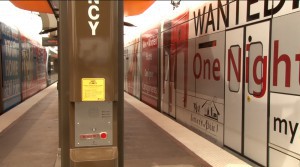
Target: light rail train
23, 70
228, 69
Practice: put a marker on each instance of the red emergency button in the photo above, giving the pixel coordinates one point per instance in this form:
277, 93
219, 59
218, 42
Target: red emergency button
103, 135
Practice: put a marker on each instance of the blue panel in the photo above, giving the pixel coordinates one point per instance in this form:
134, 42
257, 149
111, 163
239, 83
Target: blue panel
11, 66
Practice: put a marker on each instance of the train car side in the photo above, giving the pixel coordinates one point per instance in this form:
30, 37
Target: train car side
23, 67
229, 70
33, 68
10, 67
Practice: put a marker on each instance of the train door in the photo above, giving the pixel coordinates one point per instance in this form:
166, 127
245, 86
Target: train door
168, 92
172, 80
165, 79
256, 96
234, 89
246, 91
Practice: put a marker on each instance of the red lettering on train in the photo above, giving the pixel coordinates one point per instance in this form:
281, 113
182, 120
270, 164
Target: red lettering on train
284, 58
298, 59
236, 69
197, 74
216, 68
232, 64
263, 80
279, 59
207, 68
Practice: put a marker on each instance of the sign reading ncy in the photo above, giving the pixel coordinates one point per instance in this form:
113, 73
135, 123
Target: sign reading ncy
94, 15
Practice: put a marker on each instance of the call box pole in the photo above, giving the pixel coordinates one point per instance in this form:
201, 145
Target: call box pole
91, 88
63, 84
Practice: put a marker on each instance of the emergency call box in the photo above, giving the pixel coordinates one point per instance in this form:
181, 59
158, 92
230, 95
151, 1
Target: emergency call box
93, 124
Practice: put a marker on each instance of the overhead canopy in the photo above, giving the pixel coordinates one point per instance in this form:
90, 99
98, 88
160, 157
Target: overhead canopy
131, 7
41, 6
49, 24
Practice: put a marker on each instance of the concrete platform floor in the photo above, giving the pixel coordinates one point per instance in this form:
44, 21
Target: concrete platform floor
212, 154
29, 137
32, 140
147, 145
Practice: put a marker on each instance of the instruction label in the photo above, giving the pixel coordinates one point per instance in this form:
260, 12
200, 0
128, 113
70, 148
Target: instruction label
93, 89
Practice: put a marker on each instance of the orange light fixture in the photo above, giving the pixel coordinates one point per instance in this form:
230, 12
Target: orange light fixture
41, 6
131, 7
136, 7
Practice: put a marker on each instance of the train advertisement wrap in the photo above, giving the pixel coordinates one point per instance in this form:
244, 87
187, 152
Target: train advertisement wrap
33, 68
285, 90
23, 67
167, 105
230, 70
178, 62
41, 66
11, 63
132, 66
29, 82
149, 68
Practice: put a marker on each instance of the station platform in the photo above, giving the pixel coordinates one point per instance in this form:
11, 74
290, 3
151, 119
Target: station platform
29, 137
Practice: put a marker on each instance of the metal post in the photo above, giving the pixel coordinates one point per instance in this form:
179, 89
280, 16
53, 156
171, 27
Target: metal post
121, 84
91, 83
63, 84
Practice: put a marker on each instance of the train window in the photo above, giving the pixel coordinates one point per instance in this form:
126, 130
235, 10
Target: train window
255, 68
234, 84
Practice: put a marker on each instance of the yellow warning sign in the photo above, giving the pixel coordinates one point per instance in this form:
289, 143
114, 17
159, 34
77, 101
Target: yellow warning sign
93, 89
